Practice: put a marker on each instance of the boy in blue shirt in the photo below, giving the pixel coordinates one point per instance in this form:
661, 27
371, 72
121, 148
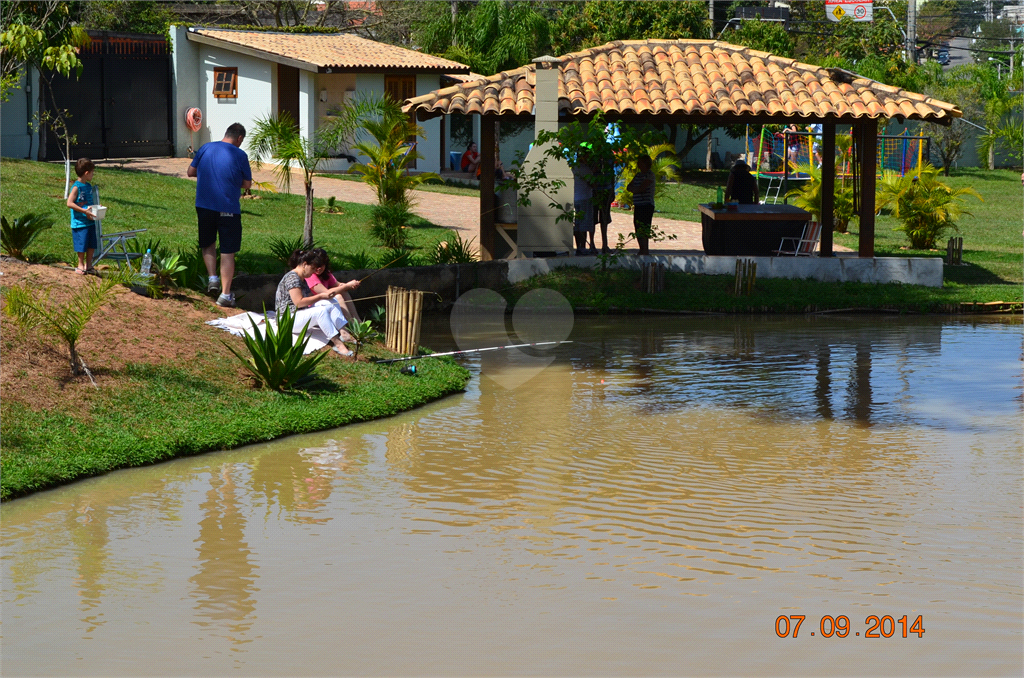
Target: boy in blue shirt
83, 231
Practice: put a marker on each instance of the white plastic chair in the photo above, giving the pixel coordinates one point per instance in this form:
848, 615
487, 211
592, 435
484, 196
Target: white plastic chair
110, 243
804, 246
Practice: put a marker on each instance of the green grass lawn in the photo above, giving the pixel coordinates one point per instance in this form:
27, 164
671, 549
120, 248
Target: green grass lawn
618, 289
166, 206
992, 234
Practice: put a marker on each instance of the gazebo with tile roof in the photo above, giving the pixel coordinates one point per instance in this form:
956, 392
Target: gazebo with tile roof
702, 82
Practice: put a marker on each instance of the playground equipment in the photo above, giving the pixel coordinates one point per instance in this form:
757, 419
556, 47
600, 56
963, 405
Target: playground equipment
781, 157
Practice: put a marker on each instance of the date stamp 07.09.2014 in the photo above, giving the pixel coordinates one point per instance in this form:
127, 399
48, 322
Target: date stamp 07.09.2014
828, 626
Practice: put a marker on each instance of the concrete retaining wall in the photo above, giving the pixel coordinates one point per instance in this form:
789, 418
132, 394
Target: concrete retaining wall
908, 270
447, 283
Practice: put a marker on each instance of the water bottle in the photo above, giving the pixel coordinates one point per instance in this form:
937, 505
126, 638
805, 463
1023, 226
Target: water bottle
147, 263
719, 196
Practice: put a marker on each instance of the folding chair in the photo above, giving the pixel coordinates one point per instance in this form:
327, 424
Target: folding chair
109, 243
804, 246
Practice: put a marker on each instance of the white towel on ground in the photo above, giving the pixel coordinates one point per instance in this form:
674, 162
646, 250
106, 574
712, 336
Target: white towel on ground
241, 325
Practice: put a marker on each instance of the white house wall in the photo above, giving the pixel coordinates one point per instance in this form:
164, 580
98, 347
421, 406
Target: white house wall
430, 145
16, 139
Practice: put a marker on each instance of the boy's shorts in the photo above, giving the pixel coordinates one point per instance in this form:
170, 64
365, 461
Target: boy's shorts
84, 238
214, 224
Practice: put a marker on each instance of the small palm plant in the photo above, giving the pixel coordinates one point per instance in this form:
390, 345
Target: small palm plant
276, 358
282, 248
279, 138
32, 310
663, 164
389, 155
808, 197
927, 208
362, 332
19, 234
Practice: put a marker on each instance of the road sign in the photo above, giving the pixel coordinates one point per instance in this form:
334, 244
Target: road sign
858, 11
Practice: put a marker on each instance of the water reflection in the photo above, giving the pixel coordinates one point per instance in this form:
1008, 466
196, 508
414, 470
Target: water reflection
664, 484
225, 582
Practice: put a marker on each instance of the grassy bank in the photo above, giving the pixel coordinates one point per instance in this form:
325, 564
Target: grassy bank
162, 412
166, 386
618, 289
166, 207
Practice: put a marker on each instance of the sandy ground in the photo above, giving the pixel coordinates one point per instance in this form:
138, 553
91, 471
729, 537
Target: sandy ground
129, 328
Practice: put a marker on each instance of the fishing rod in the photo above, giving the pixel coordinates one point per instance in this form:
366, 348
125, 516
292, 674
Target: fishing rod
471, 350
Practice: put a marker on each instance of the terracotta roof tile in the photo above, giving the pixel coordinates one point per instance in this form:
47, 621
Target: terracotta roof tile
331, 50
698, 77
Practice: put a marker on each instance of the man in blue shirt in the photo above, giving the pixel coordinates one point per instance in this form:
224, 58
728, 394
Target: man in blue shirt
222, 171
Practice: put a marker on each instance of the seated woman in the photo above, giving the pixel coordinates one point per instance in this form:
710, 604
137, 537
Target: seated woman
323, 281
294, 294
741, 186
471, 158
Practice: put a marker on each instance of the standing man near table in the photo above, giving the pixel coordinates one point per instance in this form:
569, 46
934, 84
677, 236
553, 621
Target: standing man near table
222, 171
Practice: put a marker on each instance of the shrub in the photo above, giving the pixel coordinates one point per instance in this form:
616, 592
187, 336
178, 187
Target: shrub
452, 250
927, 208
17, 236
357, 261
276, 358
808, 197
282, 248
389, 224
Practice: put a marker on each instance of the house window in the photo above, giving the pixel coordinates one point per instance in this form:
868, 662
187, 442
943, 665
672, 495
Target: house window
400, 87
225, 83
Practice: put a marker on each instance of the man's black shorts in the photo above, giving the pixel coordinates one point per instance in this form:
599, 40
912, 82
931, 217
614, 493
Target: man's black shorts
213, 224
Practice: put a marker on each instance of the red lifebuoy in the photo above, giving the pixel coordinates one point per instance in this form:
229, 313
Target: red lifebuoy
194, 119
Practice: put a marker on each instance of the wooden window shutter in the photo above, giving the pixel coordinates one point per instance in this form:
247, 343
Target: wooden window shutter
225, 83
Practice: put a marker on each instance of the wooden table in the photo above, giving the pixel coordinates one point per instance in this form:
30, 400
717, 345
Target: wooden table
753, 230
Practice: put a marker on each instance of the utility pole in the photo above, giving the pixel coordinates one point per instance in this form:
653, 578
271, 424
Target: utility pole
911, 32
711, 17
990, 15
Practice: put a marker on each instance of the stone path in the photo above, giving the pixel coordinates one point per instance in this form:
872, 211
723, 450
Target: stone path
458, 212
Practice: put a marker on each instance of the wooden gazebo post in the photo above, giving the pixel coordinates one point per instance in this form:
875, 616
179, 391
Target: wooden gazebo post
487, 201
868, 135
828, 185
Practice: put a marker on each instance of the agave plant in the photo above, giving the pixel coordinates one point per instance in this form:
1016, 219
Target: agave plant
362, 332
19, 234
276, 358
378, 316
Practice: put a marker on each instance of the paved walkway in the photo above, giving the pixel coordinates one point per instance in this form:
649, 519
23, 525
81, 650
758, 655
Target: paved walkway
458, 212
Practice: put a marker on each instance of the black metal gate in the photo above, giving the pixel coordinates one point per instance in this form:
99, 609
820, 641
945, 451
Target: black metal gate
121, 105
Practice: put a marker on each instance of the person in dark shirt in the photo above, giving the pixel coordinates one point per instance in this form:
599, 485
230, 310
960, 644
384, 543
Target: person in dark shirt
741, 186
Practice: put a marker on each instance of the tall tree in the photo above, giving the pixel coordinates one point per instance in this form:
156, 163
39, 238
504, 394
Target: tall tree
579, 25
490, 36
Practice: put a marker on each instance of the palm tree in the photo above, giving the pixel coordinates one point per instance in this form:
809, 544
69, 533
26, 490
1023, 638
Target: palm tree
389, 154
927, 207
278, 138
489, 37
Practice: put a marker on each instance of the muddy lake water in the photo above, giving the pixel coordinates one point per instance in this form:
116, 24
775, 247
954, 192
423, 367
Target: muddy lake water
648, 500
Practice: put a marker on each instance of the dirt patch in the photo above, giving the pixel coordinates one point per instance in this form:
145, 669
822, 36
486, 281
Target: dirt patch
36, 371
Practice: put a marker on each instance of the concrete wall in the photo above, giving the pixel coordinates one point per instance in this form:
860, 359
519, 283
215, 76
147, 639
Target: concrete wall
16, 139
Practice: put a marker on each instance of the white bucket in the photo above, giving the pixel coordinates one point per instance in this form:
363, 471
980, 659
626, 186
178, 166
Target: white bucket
98, 211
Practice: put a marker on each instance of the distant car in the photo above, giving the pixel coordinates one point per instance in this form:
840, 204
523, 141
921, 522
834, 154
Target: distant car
943, 58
